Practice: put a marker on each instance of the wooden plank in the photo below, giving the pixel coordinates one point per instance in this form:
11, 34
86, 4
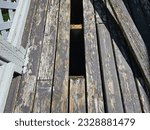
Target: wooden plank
93, 75
29, 23
135, 42
140, 21
128, 87
111, 84
126, 2
127, 82
12, 95
61, 75
26, 94
77, 95
144, 95
42, 97
49, 44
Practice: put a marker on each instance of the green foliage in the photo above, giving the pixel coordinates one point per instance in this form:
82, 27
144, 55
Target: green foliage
5, 16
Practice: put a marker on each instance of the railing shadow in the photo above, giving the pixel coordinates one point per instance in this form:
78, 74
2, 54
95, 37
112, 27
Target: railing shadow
117, 35
135, 10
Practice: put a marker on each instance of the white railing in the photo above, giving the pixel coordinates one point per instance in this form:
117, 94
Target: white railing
13, 14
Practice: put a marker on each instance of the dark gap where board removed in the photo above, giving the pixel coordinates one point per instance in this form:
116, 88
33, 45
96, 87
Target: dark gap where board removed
77, 52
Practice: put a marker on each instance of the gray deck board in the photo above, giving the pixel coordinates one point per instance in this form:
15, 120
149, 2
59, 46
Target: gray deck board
61, 75
112, 81
77, 95
42, 100
126, 76
93, 74
134, 39
47, 60
28, 84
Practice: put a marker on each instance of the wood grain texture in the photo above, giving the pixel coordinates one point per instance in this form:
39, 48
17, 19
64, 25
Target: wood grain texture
77, 95
28, 84
42, 97
144, 95
61, 75
140, 21
111, 84
126, 77
134, 40
129, 91
49, 44
12, 96
29, 22
93, 75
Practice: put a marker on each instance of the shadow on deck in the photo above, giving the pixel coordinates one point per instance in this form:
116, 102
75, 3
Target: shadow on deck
108, 78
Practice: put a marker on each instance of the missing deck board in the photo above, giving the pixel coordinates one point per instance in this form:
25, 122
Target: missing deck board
77, 51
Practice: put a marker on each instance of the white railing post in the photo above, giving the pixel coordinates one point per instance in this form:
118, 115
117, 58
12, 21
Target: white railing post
12, 54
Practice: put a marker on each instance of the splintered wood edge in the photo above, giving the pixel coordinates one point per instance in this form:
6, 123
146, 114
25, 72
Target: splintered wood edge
76, 26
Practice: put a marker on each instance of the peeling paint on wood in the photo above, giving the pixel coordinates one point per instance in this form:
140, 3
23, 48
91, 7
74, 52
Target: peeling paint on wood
28, 84
93, 75
133, 38
127, 83
61, 75
49, 44
43, 97
77, 95
111, 83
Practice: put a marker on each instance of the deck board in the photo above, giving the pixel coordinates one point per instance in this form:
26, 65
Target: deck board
61, 75
93, 74
134, 39
47, 60
126, 77
144, 95
28, 84
111, 82
42, 97
77, 95
140, 20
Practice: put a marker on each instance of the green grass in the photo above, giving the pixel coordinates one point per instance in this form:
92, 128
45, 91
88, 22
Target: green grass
5, 16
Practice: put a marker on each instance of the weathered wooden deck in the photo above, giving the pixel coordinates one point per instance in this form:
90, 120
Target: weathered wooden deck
95, 73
